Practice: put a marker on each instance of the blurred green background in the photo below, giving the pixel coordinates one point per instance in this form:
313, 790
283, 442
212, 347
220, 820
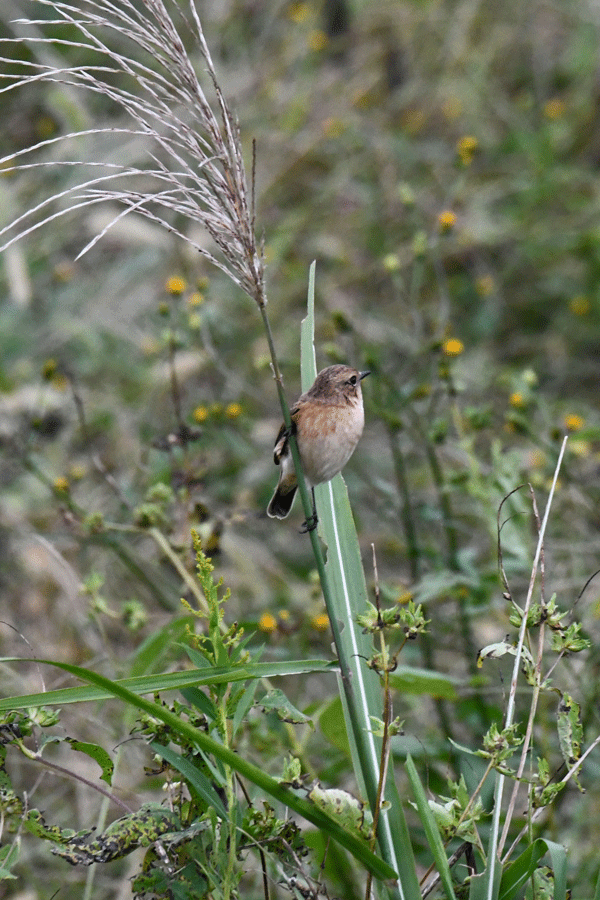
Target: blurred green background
439, 160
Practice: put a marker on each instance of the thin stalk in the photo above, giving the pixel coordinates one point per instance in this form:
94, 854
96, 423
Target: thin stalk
492, 857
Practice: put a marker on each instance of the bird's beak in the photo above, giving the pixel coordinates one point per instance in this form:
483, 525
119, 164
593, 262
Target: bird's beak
364, 374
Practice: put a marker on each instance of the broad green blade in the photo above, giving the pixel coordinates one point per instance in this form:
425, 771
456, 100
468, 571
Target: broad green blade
431, 830
345, 594
166, 681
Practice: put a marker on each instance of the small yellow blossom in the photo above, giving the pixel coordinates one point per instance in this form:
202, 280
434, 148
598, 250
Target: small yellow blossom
554, 108
573, 422
404, 597
61, 484
175, 285
77, 471
446, 220
267, 623
299, 12
391, 262
317, 40
284, 615
453, 347
320, 622
233, 410
580, 448
466, 148
517, 400
537, 459
484, 285
195, 299
200, 414
580, 305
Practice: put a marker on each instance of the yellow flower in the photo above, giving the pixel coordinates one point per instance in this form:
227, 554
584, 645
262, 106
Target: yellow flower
200, 414
554, 108
391, 262
453, 347
466, 148
580, 305
446, 220
537, 459
233, 410
317, 40
195, 299
320, 622
517, 400
580, 448
284, 615
61, 484
267, 622
573, 422
299, 12
404, 597
77, 471
175, 285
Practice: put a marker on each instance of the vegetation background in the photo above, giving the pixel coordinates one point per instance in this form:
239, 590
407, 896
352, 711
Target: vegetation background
440, 162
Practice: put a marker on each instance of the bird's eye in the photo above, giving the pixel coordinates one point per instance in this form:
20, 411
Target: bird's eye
352, 379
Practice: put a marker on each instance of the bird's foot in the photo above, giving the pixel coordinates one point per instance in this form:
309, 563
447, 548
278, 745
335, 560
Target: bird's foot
310, 524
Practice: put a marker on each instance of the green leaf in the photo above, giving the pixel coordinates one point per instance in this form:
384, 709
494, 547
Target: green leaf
98, 754
333, 726
345, 594
517, 874
248, 770
194, 776
286, 711
167, 681
412, 680
431, 830
520, 871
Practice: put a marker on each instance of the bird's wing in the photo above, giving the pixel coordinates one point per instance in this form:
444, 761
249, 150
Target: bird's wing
281, 442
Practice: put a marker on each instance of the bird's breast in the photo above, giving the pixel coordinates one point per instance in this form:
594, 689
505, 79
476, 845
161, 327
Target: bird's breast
327, 437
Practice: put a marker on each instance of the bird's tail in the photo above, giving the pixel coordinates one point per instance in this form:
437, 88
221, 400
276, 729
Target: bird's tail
282, 499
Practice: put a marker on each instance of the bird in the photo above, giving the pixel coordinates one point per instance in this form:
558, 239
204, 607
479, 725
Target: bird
328, 421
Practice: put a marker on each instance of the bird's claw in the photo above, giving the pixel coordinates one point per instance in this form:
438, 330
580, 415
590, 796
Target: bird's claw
310, 524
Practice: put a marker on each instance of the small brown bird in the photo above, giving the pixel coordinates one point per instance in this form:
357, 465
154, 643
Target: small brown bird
328, 421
